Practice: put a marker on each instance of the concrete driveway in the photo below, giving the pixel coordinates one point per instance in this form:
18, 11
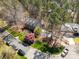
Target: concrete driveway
72, 53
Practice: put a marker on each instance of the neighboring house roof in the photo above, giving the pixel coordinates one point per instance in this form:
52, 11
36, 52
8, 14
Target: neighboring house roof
4, 34
72, 27
32, 23
8, 38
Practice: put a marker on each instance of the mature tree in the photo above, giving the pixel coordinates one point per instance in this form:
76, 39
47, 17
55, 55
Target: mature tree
12, 10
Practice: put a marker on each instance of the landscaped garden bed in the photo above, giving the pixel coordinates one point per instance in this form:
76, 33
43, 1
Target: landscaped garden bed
45, 48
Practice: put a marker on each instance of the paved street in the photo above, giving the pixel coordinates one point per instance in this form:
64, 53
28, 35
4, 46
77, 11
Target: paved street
72, 53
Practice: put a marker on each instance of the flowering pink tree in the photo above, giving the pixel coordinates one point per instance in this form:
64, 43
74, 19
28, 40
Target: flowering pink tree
30, 37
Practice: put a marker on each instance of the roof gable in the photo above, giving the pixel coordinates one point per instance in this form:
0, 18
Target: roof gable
70, 27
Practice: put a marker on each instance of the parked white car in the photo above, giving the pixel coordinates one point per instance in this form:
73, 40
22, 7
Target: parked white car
64, 53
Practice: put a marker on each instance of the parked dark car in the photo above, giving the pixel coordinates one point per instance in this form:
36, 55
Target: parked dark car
76, 34
21, 52
2, 30
24, 44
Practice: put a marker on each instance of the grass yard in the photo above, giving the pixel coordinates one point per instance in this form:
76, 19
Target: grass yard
45, 48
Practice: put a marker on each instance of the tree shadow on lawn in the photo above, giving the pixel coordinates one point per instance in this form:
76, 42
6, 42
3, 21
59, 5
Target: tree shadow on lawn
45, 48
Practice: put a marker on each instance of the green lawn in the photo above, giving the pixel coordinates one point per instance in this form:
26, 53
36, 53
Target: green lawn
45, 48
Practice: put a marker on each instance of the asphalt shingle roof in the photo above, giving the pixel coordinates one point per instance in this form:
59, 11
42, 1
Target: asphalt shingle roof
70, 27
32, 23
